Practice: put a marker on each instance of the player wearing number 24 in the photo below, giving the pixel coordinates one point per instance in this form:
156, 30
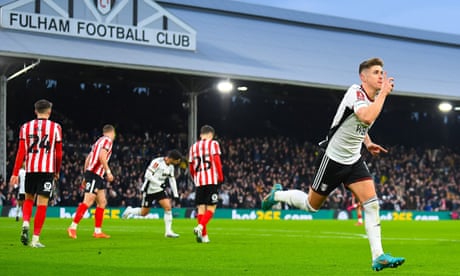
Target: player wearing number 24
206, 170
40, 146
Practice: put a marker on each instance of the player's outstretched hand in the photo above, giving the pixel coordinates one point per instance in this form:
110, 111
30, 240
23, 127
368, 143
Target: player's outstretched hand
375, 149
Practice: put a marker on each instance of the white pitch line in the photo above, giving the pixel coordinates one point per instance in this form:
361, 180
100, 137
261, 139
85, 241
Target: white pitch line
328, 235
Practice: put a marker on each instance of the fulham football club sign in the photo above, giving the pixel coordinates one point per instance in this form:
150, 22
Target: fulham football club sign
141, 22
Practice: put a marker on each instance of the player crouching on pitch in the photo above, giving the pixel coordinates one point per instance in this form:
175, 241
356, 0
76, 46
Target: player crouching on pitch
158, 172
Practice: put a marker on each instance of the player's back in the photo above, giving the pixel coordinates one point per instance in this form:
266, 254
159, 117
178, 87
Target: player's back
40, 137
201, 156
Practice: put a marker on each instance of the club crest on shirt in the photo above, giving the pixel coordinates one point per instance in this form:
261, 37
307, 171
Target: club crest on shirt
360, 95
47, 186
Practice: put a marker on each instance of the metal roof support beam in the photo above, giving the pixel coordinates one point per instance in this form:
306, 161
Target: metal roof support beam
3, 82
23, 70
3, 92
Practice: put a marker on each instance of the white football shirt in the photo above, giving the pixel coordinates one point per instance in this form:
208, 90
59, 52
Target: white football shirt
156, 174
345, 145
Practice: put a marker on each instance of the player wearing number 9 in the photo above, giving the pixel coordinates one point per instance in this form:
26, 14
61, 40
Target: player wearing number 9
40, 146
206, 171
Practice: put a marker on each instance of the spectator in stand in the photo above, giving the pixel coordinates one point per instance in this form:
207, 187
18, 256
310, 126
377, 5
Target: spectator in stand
412, 169
3, 196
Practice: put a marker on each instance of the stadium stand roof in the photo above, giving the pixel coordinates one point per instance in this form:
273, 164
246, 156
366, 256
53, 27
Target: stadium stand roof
256, 42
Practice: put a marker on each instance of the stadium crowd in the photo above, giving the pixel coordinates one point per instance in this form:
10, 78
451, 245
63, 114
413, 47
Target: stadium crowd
406, 178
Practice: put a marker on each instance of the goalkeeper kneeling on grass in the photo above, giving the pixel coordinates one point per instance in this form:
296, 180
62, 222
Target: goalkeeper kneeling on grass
341, 162
160, 170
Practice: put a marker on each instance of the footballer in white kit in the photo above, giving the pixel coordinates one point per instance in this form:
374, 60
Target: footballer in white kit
341, 162
155, 178
158, 173
21, 195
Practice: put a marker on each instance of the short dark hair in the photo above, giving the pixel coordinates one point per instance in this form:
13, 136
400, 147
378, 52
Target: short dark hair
369, 63
108, 128
174, 154
207, 129
42, 105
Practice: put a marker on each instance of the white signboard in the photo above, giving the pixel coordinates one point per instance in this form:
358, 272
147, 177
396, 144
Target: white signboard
111, 20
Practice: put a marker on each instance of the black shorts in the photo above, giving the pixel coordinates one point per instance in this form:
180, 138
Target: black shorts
94, 183
21, 196
148, 199
330, 174
39, 183
207, 195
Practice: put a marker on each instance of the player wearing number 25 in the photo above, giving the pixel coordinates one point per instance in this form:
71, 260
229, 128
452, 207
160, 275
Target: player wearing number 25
206, 170
40, 147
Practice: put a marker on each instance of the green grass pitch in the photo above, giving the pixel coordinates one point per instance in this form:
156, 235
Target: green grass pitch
321, 247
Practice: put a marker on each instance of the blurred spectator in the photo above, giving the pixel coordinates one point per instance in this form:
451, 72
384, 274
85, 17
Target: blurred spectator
406, 178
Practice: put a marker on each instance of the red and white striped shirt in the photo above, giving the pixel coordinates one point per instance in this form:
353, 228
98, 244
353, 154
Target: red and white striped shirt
40, 143
94, 164
205, 165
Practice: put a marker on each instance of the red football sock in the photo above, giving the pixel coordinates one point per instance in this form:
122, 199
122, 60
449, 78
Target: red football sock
98, 217
27, 209
204, 232
204, 221
199, 218
206, 218
39, 220
82, 207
